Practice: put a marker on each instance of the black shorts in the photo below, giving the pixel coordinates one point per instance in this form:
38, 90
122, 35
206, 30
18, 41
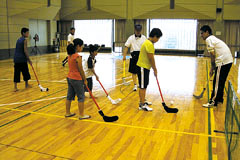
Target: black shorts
143, 77
18, 68
90, 84
133, 62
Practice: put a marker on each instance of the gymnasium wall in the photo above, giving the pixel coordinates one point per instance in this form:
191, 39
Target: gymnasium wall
129, 12
15, 14
143, 9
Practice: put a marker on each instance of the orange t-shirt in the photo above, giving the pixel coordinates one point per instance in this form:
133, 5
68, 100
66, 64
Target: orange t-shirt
73, 67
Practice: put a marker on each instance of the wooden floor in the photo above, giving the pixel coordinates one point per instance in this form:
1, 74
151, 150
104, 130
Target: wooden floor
33, 127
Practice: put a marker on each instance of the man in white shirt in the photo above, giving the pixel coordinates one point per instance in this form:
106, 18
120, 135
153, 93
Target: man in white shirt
221, 62
134, 42
70, 41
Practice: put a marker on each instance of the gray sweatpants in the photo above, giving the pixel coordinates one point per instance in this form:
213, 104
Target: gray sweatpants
75, 87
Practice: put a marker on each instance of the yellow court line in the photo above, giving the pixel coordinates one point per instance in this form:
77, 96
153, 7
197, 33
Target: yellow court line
213, 124
120, 125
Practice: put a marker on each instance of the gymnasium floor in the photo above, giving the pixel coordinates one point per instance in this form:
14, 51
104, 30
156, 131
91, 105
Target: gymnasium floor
33, 126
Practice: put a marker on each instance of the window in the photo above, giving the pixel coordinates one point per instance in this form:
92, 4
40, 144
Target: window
177, 33
38, 27
94, 31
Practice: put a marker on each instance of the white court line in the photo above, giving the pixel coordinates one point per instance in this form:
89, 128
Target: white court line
52, 62
9, 104
64, 80
39, 100
55, 81
60, 81
122, 78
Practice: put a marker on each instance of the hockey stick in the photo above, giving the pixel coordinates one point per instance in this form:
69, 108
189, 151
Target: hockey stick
204, 88
99, 48
167, 109
113, 101
105, 118
124, 74
41, 88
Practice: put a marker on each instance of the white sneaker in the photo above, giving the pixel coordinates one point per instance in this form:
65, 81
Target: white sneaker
147, 102
209, 104
135, 88
145, 107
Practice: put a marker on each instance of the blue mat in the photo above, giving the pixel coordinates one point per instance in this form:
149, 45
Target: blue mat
121, 57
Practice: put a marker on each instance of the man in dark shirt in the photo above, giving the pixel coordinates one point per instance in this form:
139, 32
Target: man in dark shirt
21, 57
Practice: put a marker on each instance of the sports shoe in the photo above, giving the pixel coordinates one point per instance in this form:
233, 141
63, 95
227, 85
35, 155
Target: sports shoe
147, 102
220, 101
140, 106
145, 107
210, 104
84, 117
135, 88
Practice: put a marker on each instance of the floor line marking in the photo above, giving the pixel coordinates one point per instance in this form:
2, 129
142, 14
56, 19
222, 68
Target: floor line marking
57, 81
39, 100
27, 113
33, 151
209, 120
36, 99
54, 81
116, 124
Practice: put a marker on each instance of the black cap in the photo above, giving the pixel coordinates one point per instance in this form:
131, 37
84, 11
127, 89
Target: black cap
138, 27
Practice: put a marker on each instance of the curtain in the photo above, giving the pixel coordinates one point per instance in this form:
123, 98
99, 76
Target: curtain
65, 29
120, 35
232, 35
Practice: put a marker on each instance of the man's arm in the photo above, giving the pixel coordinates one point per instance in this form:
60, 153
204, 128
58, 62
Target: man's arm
152, 61
213, 64
26, 52
127, 45
69, 41
125, 52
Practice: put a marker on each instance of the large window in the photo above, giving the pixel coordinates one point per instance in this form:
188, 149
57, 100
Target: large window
94, 31
177, 33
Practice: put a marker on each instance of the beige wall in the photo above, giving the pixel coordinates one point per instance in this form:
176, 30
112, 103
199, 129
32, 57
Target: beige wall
3, 25
143, 9
231, 10
100, 9
18, 13
52, 31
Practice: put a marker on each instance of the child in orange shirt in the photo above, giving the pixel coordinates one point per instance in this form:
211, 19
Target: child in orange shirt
76, 78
